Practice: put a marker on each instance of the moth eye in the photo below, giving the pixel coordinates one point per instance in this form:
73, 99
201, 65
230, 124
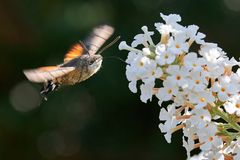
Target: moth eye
91, 62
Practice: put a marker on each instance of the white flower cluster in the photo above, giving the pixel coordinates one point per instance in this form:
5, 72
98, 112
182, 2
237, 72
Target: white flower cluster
200, 86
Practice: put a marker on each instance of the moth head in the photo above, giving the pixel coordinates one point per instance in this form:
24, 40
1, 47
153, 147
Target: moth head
94, 62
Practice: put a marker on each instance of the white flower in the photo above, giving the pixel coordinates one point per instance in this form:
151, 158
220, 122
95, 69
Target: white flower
171, 18
152, 72
206, 47
160, 48
201, 99
131, 56
177, 76
236, 151
180, 98
213, 70
193, 63
147, 87
136, 69
189, 133
194, 35
148, 34
178, 44
207, 136
123, 46
144, 39
164, 29
146, 91
233, 149
132, 86
214, 154
224, 88
200, 156
188, 145
189, 130
197, 82
164, 56
230, 62
171, 25
167, 91
146, 51
212, 53
141, 67
232, 106
141, 64
131, 73
169, 116
200, 118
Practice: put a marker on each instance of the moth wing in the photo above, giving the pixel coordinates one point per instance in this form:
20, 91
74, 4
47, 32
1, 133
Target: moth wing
98, 37
75, 51
44, 74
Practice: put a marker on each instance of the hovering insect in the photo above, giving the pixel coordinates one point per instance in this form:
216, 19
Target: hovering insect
81, 62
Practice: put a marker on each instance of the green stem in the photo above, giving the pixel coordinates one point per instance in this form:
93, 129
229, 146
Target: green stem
225, 126
226, 118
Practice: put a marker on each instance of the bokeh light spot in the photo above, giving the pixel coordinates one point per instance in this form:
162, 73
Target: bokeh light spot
24, 97
233, 5
55, 143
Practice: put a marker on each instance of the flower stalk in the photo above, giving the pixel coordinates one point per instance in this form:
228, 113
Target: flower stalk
201, 88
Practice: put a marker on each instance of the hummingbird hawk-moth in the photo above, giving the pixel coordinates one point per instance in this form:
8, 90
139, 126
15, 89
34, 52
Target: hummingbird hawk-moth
80, 62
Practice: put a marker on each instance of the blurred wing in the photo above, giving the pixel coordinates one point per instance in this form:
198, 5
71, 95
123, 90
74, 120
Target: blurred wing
75, 51
44, 74
97, 38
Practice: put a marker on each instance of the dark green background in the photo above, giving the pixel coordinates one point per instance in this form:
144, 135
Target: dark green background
98, 118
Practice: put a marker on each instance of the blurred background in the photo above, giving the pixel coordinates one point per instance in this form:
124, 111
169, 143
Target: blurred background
98, 118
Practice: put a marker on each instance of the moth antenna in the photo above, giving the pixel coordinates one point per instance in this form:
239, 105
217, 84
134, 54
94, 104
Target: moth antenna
109, 45
85, 48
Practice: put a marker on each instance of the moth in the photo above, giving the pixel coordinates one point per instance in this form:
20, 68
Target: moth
81, 62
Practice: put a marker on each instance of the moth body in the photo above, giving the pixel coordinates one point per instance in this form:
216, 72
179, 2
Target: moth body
85, 67
80, 63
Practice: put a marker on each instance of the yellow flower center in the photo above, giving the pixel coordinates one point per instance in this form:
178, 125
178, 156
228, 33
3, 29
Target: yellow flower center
141, 64
178, 77
238, 105
166, 56
169, 91
177, 46
223, 89
202, 99
210, 139
197, 81
153, 73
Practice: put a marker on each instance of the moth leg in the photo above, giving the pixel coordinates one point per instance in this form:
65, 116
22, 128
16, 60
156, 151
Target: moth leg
44, 90
48, 87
